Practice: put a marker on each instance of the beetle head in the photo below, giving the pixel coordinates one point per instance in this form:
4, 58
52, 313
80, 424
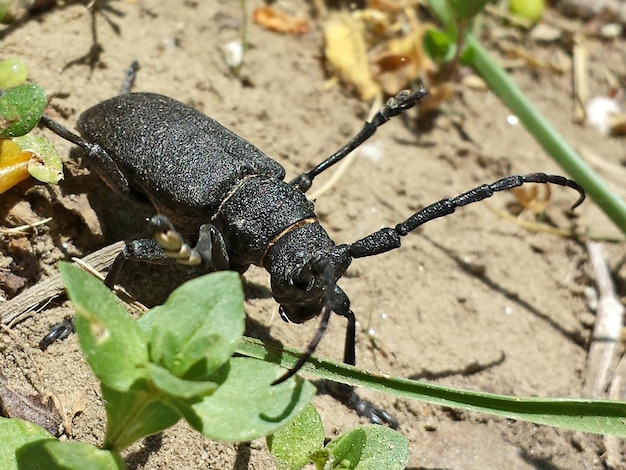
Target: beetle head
310, 289
311, 285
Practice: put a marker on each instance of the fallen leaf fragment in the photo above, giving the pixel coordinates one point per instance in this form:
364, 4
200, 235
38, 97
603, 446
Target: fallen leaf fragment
346, 52
398, 62
45, 163
37, 409
279, 21
13, 164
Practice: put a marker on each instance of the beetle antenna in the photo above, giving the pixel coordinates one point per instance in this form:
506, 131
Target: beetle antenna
404, 100
388, 238
326, 271
310, 349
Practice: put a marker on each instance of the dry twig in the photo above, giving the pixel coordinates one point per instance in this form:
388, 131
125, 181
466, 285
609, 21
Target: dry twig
601, 359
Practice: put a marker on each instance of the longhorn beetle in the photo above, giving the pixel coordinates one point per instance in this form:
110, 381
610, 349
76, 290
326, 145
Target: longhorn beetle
203, 179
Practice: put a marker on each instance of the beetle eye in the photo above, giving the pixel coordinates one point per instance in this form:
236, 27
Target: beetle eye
302, 284
283, 315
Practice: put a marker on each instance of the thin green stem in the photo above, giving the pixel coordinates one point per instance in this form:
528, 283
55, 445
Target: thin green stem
594, 416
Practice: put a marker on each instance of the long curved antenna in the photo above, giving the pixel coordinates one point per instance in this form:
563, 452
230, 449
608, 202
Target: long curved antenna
388, 238
310, 349
404, 100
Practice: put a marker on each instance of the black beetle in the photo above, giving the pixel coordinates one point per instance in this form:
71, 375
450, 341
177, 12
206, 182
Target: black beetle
203, 179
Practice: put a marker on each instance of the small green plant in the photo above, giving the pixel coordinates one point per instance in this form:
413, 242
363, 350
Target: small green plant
174, 362
362, 448
21, 107
456, 43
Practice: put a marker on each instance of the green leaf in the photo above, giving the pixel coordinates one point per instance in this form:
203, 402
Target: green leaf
198, 328
114, 346
145, 321
466, 10
171, 385
594, 416
246, 406
438, 45
370, 448
293, 445
45, 164
14, 434
57, 455
13, 71
133, 415
21, 108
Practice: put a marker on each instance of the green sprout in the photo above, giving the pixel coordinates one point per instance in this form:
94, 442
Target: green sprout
174, 362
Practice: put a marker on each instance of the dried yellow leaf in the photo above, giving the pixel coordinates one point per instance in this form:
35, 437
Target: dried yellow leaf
346, 52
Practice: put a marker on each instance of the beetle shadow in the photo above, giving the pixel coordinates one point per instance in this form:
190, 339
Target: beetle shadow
469, 369
510, 295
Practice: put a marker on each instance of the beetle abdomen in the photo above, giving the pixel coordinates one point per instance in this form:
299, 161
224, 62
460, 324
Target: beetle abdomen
183, 160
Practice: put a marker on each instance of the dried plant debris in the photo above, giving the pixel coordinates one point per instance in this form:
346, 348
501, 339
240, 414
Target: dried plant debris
377, 50
276, 20
39, 409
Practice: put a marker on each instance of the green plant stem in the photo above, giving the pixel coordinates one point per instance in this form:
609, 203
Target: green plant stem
594, 416
541, 129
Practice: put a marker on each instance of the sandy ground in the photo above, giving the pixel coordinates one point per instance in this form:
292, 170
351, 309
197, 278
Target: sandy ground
469, 289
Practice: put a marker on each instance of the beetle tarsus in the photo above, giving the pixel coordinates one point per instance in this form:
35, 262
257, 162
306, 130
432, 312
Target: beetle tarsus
346, 395
57, 332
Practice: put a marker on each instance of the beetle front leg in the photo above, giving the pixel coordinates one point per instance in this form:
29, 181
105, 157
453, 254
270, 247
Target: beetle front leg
346, 393
210, 249
101, 161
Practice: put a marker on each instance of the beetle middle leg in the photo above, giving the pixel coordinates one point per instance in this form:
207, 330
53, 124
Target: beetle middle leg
168, 246
210, 249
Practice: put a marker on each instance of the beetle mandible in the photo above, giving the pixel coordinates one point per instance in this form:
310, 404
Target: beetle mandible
204, 179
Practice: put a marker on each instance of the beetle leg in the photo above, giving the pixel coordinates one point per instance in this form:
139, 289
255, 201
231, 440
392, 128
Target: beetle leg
102, 162
168, 246
57, 332
346, 393
146, 250
388, 238
394, 106
210, 249
129, 78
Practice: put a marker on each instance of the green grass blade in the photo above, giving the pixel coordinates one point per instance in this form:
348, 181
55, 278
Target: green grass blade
593, 416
